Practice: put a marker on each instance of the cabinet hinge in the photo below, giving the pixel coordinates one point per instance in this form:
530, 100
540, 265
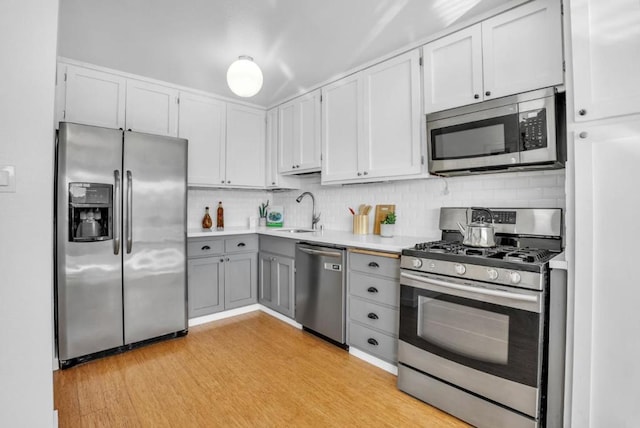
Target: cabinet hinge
422, 159
64, 114
561, 8
420, 61
564, 66
65, 77
320, 98
177, 100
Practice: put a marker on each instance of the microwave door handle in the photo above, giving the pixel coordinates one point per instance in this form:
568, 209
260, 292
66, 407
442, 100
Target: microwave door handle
116, 212
129, 222
484, 291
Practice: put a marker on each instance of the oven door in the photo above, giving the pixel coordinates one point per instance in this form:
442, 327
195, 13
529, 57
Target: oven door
483, 139
483, 338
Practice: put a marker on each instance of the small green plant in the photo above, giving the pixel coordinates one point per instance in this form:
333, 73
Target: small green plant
390, 218
262, 209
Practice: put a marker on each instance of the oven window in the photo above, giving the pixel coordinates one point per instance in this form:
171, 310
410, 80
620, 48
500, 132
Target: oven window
475, 333
495, 339
494, 136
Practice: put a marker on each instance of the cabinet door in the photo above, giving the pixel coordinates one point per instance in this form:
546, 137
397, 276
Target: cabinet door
273, 177
606, 58
246, 129
453, 70
342, 115
202, 121
283, 280
240, 280
287, 138
391, 140
522, 49
205, 290
151, 108
265, 275
308, 132
94, 98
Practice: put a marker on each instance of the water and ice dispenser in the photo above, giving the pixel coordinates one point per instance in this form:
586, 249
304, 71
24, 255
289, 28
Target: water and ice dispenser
90, 212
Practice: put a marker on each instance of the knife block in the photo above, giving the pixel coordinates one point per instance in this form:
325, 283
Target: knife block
360, 224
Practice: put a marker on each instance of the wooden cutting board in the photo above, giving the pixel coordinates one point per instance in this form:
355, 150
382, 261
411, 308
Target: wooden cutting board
381, 214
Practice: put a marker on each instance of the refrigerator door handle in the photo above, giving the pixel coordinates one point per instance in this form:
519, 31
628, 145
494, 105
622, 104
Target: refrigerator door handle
129, 215
116, 213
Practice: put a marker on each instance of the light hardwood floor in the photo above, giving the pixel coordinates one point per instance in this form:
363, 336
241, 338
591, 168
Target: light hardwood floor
250, 370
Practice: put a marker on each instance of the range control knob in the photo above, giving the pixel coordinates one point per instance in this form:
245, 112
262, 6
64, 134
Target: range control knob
416, 263
515, 277
460, 269
492, 274
432, 265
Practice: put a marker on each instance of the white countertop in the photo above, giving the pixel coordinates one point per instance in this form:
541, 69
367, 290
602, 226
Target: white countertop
559, 262
333, 237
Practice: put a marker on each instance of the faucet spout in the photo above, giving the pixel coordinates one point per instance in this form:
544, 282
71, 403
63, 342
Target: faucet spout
315, 218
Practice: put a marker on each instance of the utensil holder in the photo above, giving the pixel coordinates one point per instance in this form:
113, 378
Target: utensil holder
360, 224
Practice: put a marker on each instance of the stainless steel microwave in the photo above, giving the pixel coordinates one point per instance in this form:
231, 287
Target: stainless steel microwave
515, 133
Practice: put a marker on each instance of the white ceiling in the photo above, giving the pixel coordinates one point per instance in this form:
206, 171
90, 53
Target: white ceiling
297, 43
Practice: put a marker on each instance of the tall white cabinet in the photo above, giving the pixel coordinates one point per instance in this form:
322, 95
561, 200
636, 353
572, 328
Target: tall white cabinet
517, 51
371, 123
245, 160
605, 126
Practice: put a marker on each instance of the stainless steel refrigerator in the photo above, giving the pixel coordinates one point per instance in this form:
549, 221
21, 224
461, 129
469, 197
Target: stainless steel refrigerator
120, 240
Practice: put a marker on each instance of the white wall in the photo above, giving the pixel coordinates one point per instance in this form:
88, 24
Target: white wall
238, 205
418, 201
28, 50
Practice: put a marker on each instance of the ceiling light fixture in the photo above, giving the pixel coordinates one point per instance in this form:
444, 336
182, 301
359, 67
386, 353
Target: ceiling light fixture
244, 77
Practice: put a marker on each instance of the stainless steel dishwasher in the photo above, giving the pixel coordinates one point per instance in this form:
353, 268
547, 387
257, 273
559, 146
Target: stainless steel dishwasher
320, 290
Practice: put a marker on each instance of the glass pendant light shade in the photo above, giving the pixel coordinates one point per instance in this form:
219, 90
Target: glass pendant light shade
244, 77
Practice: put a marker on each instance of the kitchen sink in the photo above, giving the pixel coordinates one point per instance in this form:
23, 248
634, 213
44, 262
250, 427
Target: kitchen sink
295, 230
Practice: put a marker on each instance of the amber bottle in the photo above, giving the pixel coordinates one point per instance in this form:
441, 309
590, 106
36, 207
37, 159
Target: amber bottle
220, 217
206, 220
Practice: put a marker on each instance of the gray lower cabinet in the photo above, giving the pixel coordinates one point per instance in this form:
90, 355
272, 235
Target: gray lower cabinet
222, 273
276, 267
374, 298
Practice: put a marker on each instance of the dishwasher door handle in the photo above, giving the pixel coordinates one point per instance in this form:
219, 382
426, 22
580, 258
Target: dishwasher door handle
320, 252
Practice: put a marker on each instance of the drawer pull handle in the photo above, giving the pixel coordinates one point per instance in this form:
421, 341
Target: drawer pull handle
372, 290
372, 341
372, 316
241, 244
221, 260
374, 265
206, 247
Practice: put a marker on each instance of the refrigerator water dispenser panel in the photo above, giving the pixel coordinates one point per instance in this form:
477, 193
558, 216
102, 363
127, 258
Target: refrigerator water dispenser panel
90, 212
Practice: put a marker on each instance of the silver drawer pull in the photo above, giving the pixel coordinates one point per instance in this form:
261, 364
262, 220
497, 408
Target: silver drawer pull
372, 316
372, 341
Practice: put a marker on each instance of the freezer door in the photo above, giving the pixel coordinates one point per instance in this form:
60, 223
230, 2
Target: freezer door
154, 235
88, 274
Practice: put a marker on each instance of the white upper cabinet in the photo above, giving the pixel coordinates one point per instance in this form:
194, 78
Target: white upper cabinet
371, 123
92, 97
299, 134
245, 159
152, 108
453, 70
202, 121
606, 58
517, 51
273, 179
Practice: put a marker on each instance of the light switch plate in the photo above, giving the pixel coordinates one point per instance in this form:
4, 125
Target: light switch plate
7, 178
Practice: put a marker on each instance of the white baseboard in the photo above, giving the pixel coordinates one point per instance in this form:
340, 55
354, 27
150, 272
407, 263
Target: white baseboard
56, 364
224, 314
388, 367
281, 317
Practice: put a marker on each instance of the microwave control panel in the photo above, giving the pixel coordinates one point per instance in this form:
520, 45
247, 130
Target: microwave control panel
533, 129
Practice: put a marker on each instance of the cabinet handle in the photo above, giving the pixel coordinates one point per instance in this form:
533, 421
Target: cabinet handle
372, 316
273, 259
359, 174
129, 130
227, 259
583, 134
206, 247
476, 96
221, 260
229, 182
582, 112
222, 182
374, 265
372, 341
241, 244
488, 93
365, 173
372, 290
273, 183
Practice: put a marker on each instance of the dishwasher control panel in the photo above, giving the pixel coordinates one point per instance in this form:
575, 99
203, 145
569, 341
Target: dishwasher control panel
333, 266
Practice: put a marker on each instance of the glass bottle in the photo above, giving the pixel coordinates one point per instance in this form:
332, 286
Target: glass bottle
220, 217
206, 220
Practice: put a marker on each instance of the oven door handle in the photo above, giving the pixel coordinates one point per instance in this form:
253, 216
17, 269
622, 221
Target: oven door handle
478, 290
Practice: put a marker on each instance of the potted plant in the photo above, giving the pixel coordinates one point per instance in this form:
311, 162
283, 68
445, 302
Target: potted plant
262, 210
388, 225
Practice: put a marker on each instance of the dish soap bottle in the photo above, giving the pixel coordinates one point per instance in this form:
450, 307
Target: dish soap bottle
220, 217
206, 220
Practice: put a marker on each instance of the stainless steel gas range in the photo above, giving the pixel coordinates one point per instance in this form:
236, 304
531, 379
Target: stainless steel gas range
474, 322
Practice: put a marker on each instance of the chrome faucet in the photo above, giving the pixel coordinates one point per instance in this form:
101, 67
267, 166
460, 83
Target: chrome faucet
314, 218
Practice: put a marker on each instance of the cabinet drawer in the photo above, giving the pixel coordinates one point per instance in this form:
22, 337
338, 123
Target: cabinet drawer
373, 342
283, 246
380, 290
375, 265
204, 247
370, 314
241, 243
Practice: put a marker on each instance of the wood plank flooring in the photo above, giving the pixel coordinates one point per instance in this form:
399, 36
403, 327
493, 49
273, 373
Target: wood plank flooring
252, 370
